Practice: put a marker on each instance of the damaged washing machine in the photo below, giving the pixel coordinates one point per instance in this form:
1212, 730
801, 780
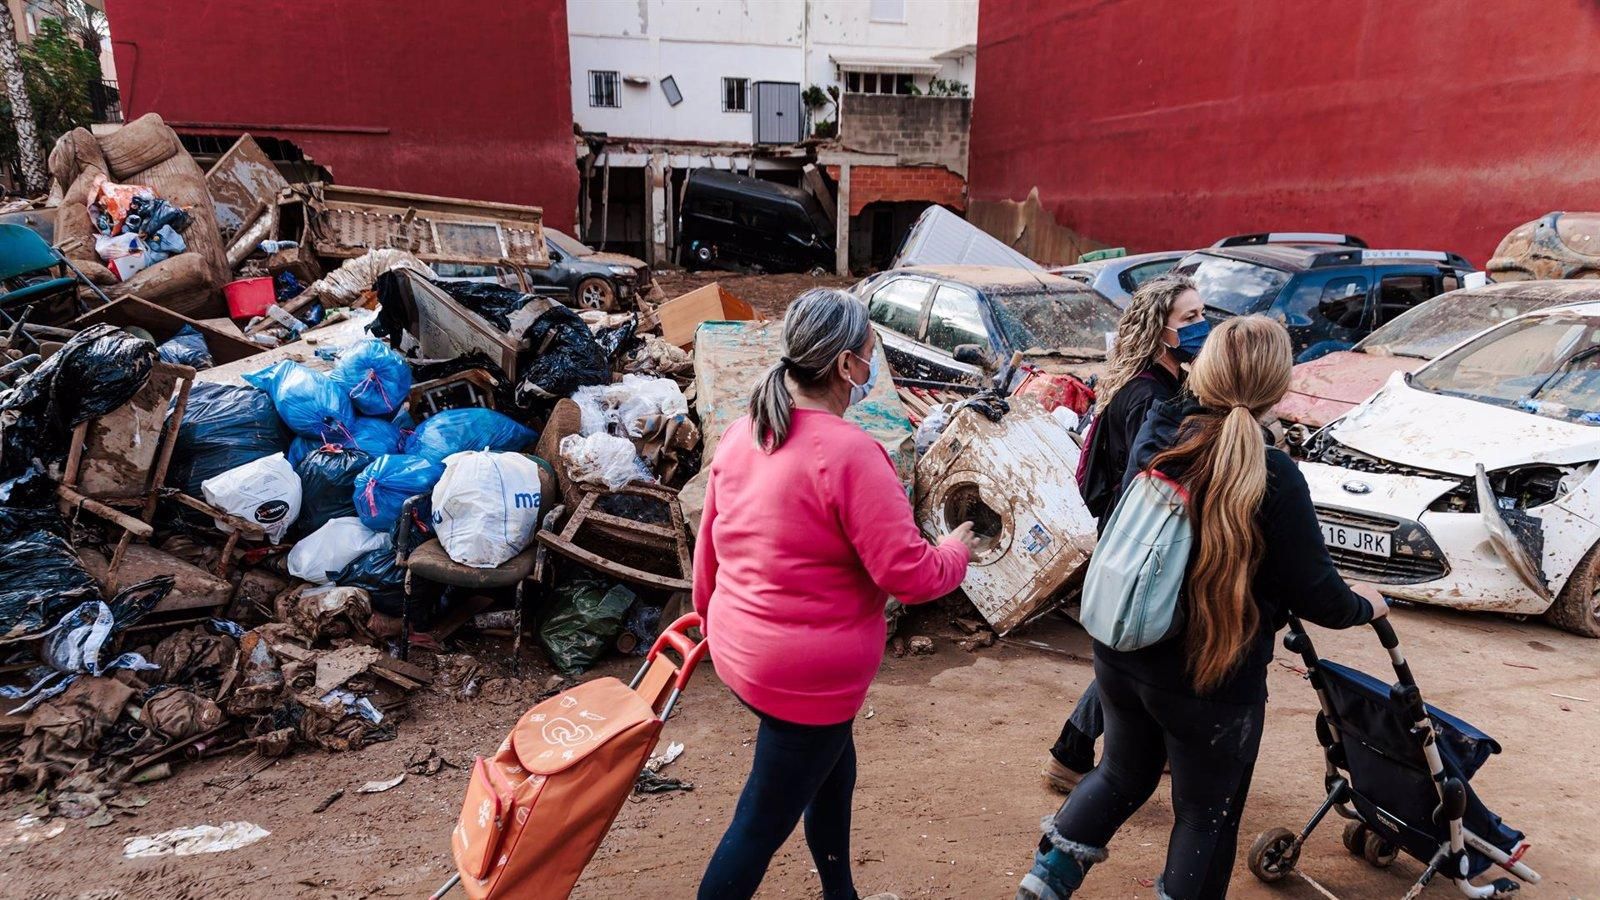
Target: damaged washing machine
1013, 479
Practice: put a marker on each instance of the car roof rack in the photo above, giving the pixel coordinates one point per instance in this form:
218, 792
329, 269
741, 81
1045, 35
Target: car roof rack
1365, 256
1290, 237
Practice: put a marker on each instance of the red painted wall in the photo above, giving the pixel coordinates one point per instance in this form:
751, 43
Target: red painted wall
464, 100
1435, 124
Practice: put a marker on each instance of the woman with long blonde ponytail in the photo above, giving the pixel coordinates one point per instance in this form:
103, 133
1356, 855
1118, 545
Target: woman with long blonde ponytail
1161, 330
1197, 700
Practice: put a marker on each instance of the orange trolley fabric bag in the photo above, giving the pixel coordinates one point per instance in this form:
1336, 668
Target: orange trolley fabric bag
536, 811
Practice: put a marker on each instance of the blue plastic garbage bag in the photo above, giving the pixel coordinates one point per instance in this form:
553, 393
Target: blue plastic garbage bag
377, 377
186, 348
455, 430
377, 436
383, 487
224, 426
309, 402
372, 436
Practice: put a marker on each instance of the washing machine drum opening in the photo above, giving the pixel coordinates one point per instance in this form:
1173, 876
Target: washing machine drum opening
964, 503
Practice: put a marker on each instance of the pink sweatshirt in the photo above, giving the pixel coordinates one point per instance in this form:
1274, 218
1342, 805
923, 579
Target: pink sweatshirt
798, 550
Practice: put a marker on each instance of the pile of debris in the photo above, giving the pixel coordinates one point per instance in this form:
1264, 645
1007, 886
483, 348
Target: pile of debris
247, 472
251, 489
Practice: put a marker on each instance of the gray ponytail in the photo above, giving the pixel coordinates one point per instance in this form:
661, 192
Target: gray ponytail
820, 324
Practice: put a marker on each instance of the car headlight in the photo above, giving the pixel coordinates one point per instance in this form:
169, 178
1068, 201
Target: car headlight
622, 270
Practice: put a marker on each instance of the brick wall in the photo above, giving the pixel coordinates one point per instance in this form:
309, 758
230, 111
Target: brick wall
918, 130
869, 184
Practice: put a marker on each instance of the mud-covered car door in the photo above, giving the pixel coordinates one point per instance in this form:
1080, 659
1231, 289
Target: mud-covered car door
898, 306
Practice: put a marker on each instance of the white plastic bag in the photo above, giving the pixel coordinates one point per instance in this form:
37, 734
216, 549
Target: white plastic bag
486, 507
621, 408
933, 425
322, 553
266, 492
603, 459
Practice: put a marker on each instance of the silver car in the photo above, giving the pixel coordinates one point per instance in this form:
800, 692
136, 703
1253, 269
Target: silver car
1117, 278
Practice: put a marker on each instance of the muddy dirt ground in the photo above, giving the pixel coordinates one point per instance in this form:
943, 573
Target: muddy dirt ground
769, 294
948, 798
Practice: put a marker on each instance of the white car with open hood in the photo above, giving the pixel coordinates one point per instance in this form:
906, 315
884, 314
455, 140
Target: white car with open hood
1472, 482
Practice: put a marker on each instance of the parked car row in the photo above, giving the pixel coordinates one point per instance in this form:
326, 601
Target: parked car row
1450, 434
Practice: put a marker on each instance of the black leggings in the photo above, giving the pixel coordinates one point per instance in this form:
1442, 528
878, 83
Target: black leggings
798, 769
1212, 747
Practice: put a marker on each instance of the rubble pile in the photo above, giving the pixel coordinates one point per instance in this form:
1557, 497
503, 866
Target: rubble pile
254, 508
251, 509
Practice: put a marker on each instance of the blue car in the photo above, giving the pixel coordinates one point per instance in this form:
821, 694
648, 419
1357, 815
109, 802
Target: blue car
1329, 290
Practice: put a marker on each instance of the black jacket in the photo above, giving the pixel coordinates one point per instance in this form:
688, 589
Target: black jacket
1111, 439
1295, 576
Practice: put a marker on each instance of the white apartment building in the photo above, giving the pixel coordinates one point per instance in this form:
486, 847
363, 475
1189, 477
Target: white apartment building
663, 86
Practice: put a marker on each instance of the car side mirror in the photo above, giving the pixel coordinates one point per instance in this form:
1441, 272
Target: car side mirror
974, 355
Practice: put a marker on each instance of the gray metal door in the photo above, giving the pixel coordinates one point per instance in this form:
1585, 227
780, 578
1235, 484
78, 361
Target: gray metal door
778, 117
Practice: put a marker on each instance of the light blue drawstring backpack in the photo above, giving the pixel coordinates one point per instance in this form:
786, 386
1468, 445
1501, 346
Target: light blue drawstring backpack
1130, 595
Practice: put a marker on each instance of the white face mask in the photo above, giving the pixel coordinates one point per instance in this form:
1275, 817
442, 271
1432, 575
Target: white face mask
859, 392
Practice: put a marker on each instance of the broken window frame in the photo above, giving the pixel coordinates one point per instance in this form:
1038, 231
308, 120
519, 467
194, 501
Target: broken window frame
735, 89
604, 85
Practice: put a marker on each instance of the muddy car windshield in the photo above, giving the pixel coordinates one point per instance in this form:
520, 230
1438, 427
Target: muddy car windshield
1430, 329
567, 245
1545, 365
1065, 322
1234, 286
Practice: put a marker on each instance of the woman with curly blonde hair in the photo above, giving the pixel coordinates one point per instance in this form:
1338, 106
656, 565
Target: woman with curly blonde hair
1161, 330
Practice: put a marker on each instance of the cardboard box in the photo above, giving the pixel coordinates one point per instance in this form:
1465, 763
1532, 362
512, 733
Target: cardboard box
681, 315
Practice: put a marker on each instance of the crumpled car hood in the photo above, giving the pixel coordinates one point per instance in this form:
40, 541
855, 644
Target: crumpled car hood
1418, 428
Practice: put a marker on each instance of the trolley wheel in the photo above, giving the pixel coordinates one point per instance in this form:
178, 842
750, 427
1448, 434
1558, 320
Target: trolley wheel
1379, 852
1274, 854
1355, 837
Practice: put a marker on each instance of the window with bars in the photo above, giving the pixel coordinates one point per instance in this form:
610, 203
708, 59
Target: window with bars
735, 95
603, 89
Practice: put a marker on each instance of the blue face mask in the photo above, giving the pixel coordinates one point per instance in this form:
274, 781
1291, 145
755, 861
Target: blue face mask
1191, 338
859, 392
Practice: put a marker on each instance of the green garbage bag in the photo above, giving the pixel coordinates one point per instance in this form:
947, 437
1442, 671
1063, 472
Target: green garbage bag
587, 617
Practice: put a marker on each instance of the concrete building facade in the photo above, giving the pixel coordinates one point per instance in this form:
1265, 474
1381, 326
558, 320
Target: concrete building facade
661, 87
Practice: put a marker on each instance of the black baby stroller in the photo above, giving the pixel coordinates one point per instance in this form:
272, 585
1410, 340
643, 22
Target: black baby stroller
1398, 769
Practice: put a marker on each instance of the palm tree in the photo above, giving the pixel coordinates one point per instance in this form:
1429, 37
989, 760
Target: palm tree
34, 179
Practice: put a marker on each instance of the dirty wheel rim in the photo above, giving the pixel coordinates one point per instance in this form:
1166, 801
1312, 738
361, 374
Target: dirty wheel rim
594, 294
1277, 859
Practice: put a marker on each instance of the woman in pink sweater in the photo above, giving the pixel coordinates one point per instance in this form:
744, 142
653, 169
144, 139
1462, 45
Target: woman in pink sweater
806, 532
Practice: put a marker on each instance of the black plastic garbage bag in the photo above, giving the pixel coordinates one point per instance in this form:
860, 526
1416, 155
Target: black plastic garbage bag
186, 348
327, 485
224, 427
28, 503
100, 369
616, 341
568, 357
40, 580
587, 617
377, 573
492, 302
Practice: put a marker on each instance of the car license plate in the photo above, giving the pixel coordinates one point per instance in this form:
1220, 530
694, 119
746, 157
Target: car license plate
1371, 543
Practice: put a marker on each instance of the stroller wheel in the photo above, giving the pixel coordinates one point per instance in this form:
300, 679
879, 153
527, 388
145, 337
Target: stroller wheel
1274, 854
1355, 837
1379, 852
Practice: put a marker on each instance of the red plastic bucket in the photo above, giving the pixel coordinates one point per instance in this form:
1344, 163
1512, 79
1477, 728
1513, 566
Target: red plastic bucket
248, 297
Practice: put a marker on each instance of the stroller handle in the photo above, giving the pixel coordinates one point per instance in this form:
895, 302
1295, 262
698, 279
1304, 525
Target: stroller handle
676, 637
1386, 635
